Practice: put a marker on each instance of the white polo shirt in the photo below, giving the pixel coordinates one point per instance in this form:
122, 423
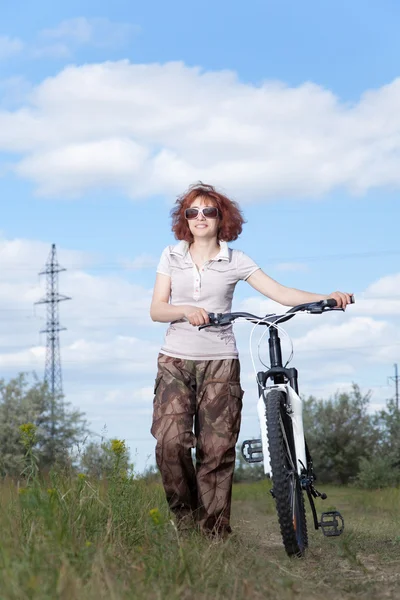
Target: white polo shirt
211, 287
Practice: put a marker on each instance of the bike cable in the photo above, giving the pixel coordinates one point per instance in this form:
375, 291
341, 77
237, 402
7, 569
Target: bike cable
280, 330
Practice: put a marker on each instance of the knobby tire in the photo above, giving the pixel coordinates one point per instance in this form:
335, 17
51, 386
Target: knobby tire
287, 489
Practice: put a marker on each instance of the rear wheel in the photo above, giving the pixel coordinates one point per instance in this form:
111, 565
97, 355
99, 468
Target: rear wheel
286, 483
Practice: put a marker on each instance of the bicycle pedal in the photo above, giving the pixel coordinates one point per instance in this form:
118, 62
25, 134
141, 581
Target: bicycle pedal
252, 451
332, 523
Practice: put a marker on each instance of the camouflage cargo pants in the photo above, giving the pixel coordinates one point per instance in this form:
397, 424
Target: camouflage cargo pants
207, 395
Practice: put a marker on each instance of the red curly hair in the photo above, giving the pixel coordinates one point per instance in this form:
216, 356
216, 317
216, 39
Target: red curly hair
231, 218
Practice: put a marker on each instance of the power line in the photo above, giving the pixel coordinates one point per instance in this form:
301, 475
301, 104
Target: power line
356, 349
133, 312
338, 256
117, 266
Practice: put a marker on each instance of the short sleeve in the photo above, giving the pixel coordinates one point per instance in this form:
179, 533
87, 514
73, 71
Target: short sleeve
164, 264
245, 265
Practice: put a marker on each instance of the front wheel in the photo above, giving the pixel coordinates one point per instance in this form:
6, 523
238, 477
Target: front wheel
286, 484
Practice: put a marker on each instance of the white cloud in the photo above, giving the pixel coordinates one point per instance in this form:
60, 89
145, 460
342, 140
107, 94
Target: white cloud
385, 287
378, 394
104, 310
14, 91
144, 261
19, 257
10, 46
356, 331
62, 40
93, 165
259, 305
79, 29
382, 297
379, 306
130, 398
54, 50
151, 128
105, 299
97, 30
26, 360
121, 356
329, 370
118, 355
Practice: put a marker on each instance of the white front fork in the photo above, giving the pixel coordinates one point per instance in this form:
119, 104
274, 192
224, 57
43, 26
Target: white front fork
297, 421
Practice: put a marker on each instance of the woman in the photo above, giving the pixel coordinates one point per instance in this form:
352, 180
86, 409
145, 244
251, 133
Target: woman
198, 379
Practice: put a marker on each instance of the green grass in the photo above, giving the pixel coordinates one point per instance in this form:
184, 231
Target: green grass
363, 562
73, 538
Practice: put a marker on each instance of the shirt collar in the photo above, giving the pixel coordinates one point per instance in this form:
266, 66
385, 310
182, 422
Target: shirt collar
182, 249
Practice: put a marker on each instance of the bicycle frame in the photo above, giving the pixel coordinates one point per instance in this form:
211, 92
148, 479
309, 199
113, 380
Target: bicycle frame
285, 380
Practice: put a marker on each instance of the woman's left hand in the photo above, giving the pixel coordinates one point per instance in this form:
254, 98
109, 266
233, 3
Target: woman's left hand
342, 299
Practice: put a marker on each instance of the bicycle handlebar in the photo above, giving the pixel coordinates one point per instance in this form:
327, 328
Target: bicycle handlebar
221, 319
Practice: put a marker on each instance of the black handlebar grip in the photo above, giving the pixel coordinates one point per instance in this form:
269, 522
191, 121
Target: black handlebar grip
330, 302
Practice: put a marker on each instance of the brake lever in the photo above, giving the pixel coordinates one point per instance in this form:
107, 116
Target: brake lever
320, 310
206, 325
216, 321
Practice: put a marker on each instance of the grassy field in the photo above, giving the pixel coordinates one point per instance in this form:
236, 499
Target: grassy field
73, 538
362, 563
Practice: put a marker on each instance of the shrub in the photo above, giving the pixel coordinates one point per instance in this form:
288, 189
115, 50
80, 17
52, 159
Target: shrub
378, 472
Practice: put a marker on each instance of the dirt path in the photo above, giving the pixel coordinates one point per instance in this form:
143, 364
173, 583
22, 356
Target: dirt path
351, 567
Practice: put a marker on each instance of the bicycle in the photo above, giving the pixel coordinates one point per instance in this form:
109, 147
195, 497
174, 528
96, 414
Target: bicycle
282, 446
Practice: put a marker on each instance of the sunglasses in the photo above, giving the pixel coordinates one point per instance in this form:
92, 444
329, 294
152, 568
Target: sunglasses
209, 212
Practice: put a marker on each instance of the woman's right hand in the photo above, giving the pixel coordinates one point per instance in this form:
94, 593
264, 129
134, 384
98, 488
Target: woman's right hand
196, 316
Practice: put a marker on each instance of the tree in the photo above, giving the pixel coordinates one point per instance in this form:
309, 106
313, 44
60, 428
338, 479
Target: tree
61, 428
340, 433
22, 401
98, 459
382, 468
388, 422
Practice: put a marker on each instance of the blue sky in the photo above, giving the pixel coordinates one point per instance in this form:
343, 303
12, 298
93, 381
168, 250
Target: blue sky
108, 112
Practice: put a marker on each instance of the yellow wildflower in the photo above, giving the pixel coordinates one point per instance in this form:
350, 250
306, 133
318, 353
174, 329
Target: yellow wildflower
28, 428
155, 516
28, 434
118, 447
32, 582
81, 476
